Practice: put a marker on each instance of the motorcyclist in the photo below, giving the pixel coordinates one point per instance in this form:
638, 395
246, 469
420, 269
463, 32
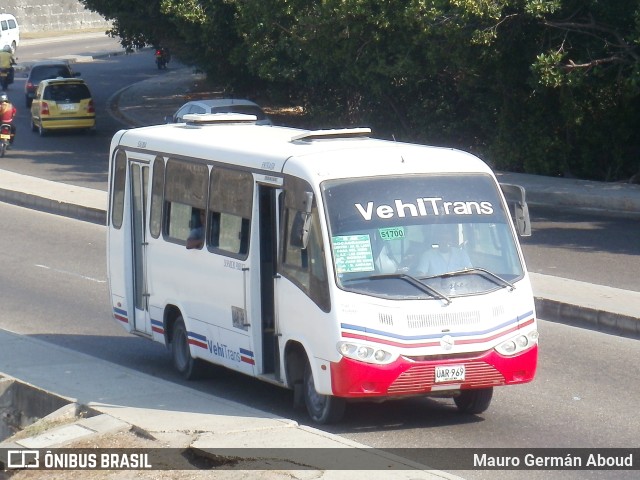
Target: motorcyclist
162, 56
7, 113
7, 61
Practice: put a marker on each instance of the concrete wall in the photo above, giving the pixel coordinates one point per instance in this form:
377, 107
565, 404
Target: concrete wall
52, 15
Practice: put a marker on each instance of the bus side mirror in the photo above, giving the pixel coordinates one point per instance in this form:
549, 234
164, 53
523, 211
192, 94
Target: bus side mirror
523, 223
516, 194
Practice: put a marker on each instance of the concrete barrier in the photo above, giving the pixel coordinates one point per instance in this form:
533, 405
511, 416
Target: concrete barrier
41, 16
22, 404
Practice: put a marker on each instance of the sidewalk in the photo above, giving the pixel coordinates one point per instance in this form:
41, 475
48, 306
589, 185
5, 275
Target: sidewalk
175, 417
180, 416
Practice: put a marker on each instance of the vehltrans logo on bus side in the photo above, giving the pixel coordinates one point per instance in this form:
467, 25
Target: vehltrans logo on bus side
223, 351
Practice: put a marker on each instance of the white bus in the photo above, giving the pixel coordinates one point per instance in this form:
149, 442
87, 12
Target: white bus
337, 265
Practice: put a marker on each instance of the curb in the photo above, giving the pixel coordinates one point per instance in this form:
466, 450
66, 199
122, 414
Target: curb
47, 205
613, 198
585, 317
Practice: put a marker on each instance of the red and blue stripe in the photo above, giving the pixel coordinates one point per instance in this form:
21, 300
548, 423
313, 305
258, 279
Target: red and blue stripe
433, 340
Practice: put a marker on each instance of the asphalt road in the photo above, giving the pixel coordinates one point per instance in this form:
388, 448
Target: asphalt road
75, 157
53, 287
587, 246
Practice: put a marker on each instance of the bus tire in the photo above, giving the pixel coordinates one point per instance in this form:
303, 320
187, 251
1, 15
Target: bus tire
322, 409
189, 367
474, 401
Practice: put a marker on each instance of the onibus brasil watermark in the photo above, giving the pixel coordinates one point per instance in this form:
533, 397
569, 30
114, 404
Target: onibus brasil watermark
76, 460
190, 458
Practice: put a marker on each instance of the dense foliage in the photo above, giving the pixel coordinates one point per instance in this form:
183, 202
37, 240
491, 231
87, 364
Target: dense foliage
540, 86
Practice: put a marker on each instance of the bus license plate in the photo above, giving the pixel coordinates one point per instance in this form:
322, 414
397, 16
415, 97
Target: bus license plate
450, 373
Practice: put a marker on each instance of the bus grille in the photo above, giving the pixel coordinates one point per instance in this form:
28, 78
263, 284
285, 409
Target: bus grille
443, 320
385, 319
420, 378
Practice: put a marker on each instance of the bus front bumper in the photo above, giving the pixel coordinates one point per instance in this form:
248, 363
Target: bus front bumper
353, 379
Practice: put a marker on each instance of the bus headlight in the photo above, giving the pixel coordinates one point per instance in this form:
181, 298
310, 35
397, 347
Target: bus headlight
507, 347
518, 343
365, 353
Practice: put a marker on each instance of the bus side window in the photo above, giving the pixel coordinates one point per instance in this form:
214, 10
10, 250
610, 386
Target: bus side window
185, 191
231, 234
119, 181
306, 267
157, 184
230, 205
178, 221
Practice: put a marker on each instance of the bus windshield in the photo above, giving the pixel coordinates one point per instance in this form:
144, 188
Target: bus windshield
420, 236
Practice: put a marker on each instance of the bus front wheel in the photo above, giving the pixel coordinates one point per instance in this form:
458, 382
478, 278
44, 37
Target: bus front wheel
474, 401
189, 367
322, 409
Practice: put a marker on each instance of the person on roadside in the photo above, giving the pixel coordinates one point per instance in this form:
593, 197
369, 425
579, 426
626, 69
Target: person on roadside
7, 61
7, 114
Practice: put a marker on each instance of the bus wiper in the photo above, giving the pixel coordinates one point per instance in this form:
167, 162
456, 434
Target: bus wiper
497, 279
409, 279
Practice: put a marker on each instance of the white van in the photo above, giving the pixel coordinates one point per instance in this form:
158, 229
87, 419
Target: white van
9, 31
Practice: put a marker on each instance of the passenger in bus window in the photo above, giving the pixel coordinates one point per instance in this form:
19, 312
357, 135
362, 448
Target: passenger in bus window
445, 253
196, 236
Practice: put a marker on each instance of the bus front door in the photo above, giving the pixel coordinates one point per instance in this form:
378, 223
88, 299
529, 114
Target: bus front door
268, 254
139, 177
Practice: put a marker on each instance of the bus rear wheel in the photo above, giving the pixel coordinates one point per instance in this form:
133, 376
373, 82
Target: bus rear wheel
322, 409
189, 367
474, 401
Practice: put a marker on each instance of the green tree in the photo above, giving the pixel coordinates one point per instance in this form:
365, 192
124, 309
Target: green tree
202, 34
539, 86
589, 63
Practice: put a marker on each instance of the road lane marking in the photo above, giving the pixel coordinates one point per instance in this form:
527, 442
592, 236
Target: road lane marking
73, 274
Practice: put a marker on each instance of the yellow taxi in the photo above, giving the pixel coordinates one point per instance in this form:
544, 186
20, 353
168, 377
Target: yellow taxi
62, 103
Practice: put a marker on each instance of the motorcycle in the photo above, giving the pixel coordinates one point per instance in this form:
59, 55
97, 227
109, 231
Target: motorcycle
162, 58
5, 138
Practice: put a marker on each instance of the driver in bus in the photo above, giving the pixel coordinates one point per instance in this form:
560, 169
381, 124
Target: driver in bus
445, 254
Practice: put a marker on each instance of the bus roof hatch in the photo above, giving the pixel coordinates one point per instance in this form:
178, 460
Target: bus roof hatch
212, 118
334, 133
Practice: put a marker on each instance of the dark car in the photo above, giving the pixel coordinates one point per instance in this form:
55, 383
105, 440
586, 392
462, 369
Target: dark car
45, 70
220, 105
